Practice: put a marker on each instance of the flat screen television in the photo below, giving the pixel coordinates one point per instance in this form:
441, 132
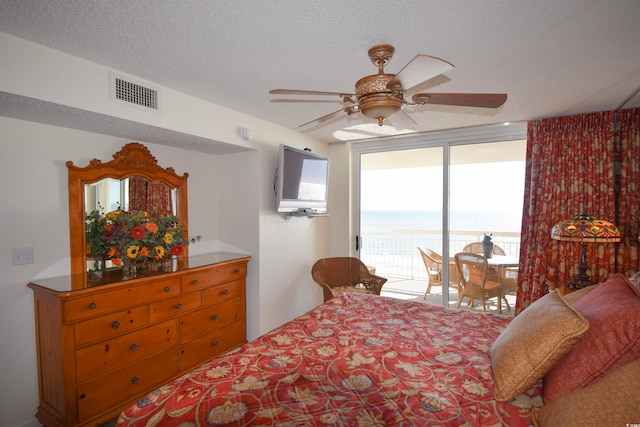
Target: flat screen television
301, 181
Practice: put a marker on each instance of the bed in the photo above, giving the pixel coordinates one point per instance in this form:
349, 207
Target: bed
367, 360
357, 359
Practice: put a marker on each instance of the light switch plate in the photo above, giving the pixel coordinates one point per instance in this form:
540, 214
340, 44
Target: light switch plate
21, 256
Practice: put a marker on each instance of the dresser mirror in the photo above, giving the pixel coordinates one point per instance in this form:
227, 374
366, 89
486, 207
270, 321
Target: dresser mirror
133, 180
130, 193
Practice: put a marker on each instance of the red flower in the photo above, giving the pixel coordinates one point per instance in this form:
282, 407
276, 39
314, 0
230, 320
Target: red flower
138, 233
176, 250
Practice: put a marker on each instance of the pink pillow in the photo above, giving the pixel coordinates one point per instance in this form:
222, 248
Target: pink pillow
612, 341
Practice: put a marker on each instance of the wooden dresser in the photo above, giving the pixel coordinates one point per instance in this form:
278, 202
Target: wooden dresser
103, 346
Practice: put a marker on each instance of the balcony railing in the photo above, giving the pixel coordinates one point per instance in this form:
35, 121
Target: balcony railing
394, 251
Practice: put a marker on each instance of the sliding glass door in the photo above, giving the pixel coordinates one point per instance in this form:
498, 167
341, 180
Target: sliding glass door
437, 194
400, 208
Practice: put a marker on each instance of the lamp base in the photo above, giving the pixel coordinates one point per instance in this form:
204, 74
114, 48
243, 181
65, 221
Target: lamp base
582, 279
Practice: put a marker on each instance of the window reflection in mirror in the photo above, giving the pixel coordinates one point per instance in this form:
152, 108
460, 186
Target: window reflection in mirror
107, 195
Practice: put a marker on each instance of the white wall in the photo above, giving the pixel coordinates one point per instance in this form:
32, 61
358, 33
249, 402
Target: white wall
231, 204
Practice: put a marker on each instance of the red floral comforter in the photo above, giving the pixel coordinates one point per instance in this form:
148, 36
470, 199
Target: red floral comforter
357, 360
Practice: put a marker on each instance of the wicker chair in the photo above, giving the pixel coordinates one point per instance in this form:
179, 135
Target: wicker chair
433, 263
474, 283
508, 275
345, 274
476, 248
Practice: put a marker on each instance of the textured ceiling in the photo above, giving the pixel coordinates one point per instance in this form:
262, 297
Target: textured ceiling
551, 57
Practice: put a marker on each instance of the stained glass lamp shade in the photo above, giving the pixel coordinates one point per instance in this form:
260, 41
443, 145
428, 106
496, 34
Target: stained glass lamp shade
584, 229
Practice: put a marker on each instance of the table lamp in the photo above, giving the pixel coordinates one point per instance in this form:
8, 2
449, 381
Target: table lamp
584, 229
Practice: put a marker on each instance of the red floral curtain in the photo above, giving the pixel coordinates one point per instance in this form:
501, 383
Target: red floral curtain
628, 189
151, 197
569, 171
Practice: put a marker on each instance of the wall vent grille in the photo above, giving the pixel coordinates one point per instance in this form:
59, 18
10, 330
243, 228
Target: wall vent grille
136, 94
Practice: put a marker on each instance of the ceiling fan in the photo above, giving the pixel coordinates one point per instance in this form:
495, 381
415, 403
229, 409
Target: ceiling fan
381, 96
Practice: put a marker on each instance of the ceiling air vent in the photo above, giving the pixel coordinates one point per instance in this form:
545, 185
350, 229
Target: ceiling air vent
124, 90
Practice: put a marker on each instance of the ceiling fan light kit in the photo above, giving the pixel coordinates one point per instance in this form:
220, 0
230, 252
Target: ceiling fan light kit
380, 107
380, 96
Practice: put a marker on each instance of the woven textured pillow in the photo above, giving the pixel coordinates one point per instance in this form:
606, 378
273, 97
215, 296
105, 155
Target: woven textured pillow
613, 339
574, 296
613, 400
532, 343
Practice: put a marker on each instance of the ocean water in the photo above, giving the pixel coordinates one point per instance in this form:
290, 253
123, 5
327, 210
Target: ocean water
394, 253
484, 222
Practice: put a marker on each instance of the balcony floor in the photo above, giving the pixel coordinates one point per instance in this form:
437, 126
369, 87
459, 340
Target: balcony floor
414, 290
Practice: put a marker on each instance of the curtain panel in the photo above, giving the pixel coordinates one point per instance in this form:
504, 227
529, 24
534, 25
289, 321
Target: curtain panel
628, 189
583, 164
151, 197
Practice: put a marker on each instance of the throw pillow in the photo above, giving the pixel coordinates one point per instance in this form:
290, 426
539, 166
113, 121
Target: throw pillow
532, 343
613, 400
635, 279
613, 339
574, 296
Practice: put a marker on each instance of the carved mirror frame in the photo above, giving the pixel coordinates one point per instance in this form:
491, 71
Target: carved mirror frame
134, 159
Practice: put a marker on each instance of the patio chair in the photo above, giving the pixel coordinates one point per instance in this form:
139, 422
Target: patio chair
472, 272
509, 279
476, 248
507, 275
433, 263
345, 274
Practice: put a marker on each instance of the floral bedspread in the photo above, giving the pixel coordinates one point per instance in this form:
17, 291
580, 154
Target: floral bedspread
356, 360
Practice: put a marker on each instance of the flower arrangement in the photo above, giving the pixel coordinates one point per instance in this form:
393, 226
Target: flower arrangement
133, 237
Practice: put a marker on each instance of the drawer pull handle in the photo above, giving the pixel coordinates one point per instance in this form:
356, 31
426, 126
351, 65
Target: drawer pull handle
92, 306
134, 347
215, 343
134, 380
237, 271
179, 305
214, 317
115, 324
167, 288
195, 281
225, 292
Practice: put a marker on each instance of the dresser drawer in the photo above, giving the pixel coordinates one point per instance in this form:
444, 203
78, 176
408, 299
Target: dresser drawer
224, 292
136, 380
213, 344
118, 299
173, 306
110, 325
209, 318
213, 276
111, 355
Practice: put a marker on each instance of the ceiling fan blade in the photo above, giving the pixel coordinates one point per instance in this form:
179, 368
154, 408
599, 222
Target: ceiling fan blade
324, 118
485, 100
332, 101
401, 120
307, 92
419, 69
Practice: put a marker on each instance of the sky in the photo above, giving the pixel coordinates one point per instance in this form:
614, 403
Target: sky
489, 187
